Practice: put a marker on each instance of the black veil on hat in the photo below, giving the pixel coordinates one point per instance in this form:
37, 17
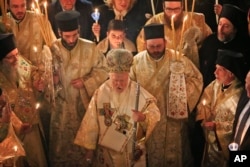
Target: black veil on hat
236, 16
7, 44
153, 31
67, 20
234, 62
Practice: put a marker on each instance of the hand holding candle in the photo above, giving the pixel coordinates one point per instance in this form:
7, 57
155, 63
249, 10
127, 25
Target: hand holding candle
96, 15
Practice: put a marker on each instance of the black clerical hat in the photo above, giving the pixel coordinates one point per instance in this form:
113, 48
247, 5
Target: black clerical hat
235, 15
67, 20
7, 44
153, 31
234, 62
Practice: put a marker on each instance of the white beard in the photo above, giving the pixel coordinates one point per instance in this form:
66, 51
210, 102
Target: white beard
9, 72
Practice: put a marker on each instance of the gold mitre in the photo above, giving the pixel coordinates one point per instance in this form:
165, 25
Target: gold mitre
119, 60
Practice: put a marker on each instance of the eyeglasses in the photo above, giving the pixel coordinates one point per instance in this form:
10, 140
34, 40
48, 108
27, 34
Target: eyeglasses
113, 36
158, 46
172, 10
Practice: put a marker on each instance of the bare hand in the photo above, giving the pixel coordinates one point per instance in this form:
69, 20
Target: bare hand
89, 156
138, 116
77, 83
217, 9
96, 29
39, 85
56, 78
5, 115
25, 128
209, 126
5, 111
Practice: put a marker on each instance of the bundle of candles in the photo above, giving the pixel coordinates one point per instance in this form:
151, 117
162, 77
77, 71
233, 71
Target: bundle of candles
43, 21
3, 4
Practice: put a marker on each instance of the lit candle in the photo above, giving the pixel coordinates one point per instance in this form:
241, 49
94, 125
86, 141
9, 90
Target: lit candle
182, 33
15, 149
173, 32
205, 114
32, 6
38, 6
35, 51
37, 105
96, 14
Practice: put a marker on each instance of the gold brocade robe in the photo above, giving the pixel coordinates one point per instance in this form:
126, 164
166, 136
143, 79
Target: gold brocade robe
21, 94
192, 37
23, 103
93, 129
29, 38
84, 61
219, 107
169, 144
7, 146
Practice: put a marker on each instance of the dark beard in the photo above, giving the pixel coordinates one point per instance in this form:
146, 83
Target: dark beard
17, 19
177, 23
64, 43
9, 72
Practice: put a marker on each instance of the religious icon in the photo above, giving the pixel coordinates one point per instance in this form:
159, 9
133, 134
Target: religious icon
122, 123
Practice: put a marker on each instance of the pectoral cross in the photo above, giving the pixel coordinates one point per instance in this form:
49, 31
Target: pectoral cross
107, 112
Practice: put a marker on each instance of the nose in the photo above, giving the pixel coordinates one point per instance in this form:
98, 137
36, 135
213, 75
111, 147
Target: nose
215, 71
71, 39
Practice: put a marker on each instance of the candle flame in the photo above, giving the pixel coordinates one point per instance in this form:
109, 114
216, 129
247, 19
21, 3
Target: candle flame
32, 6
35, 49
15, 148
45, 4
37, 105
204, 102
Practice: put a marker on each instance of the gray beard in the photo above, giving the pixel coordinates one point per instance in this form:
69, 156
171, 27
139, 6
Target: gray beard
9, 72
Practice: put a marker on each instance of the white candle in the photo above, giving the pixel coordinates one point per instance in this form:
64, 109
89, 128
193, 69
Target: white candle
205, 114
35, 51
182, 33
96, 13
153, 7
32, 6
37, 105
217, 17
15, 149
173, 33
